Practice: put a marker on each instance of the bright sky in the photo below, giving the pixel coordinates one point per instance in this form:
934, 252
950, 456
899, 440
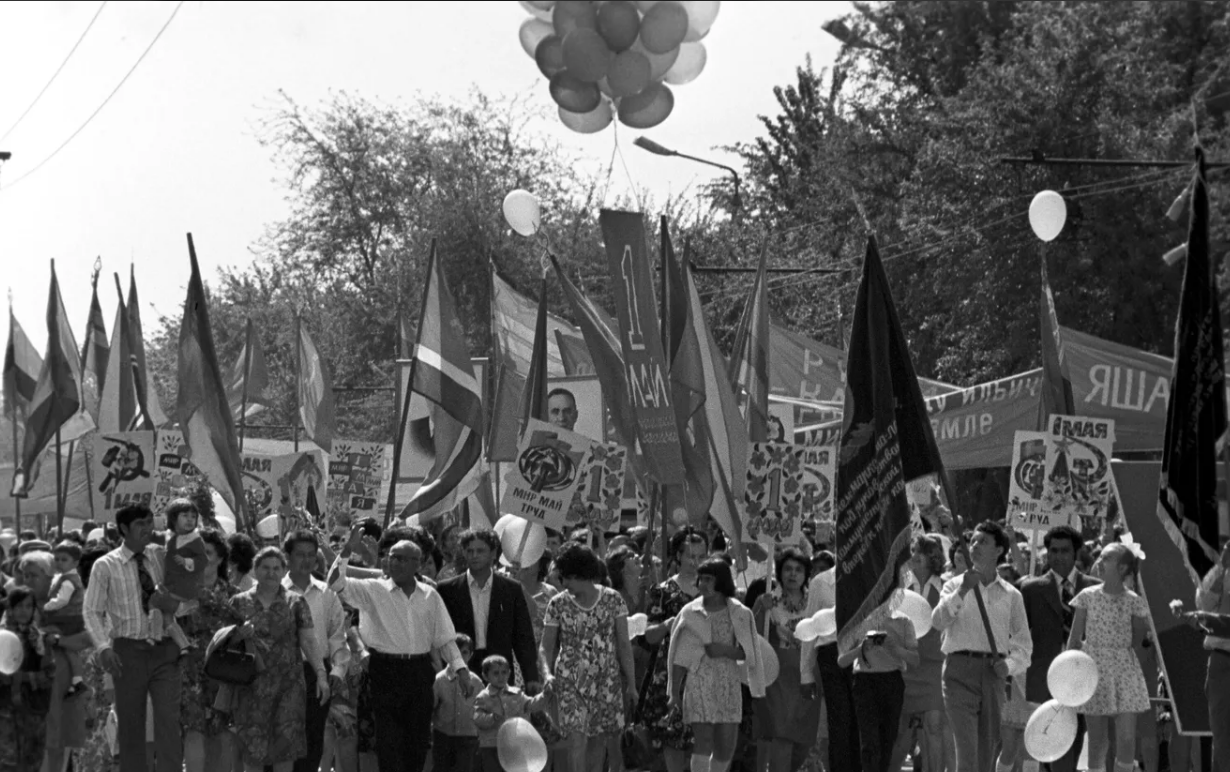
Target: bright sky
175, 150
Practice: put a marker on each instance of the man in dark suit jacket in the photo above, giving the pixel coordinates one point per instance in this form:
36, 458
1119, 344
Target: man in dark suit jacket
1050, 619
502, 623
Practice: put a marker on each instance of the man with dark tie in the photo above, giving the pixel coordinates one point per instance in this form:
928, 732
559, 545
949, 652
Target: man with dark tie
1047, 607
491, 608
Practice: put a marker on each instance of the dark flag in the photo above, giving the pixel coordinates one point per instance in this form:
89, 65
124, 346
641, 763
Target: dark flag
1196, 413
94, 354
1056, 380
749, 360
534, 394
886, 441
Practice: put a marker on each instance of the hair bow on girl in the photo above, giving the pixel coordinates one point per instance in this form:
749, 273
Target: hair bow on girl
1127, 541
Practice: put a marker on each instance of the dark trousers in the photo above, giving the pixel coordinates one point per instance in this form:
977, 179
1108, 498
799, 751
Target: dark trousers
974, 700
490, 760
314, 724
839, 702
1217, 687
1067, 763
452, 753
148, 669
402, 700
877, 706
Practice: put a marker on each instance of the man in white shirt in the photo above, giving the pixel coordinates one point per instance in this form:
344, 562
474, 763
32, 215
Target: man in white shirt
837, 682
402, 621
977, 669
329, 627
1213, 598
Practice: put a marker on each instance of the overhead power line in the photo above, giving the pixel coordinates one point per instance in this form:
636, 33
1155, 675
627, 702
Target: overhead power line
55, 74
98, 109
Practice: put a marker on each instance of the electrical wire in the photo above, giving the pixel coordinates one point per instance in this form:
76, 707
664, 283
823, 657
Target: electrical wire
98, 109
55, 74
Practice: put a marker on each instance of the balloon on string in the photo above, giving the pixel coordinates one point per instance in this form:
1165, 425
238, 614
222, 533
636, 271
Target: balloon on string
504, 520
537, 9
97, 534
826, 622
1051, 731
1072, 678
664, 27
591, 122
549, 56
807, 629
629, 74
689, 64
637, 624
533, 32
604, 86
523, 215
619, 24
701, 15
586, 55
520, 747
648, 108
535, 543
659, 64
11, 652
573, 14
915, 608
1047, 214
772, 667
573, 94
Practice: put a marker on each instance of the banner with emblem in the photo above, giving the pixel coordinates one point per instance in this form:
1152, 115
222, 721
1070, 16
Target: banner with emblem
278, 484
356, 478
773, 502
1062, 476
123, 472
173, 470
819, 488
597, 502
546, 475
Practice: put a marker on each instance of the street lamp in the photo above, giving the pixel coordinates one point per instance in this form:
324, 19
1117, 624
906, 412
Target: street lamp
4, 156
645, 143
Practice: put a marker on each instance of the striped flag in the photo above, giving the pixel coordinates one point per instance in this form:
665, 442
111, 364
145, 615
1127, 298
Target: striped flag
201, 409
22, 366
727, 436
118, 406
315, 393
572, 350
248, 385
1196, 412
147, 393
94, 355
1056, 380
444, 376
57, 406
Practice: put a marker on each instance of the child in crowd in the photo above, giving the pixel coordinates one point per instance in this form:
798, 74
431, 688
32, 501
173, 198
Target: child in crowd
341, 744
62, 613
498, 703
454, 735
183, 572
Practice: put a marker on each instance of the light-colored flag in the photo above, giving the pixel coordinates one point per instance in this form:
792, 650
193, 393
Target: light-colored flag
315, 393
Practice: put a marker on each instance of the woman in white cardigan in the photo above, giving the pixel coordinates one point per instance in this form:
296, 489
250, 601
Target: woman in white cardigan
712, 652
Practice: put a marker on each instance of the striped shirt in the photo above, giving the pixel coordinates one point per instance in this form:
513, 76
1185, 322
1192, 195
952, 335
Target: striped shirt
113, 595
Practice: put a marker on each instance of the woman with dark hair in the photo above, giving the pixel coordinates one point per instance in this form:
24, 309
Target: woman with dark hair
687, 549
241, 550
207, 739
26, 694
623, 568
712, 653
785, 722
585, 644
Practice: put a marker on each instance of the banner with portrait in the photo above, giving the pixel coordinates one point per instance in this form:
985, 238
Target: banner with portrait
773, 501
122, 473
278, 484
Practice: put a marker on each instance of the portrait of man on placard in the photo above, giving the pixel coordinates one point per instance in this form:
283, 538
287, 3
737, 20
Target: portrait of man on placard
575, 403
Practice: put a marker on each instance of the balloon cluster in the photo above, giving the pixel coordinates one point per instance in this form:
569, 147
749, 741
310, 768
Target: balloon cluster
1073, 680
616, 57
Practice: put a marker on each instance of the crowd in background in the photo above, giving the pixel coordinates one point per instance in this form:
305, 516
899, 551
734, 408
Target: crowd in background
358, 633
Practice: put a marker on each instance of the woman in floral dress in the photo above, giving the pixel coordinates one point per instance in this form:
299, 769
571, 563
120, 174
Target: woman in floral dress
206, 730
268, 717
688, 549
585, 643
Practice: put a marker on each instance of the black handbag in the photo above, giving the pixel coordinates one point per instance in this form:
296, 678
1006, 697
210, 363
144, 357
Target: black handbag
635, 742
230, 663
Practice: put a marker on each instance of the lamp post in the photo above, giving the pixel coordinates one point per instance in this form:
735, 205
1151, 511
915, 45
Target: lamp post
645, 143
4, 156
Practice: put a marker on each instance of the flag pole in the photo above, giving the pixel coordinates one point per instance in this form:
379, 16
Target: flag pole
59, 487
13, 418
247, 364
298, 374
405, 400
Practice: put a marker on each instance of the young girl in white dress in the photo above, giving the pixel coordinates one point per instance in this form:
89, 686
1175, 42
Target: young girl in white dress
1109, 620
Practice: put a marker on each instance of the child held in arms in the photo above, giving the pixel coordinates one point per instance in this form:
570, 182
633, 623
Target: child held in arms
182, 572
62, 613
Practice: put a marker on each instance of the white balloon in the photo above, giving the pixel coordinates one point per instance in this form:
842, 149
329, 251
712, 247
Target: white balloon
522, 212
701, 15
537, 9
535, 542
772, 667
520, 747
637, 624
503, 523
688, 66
826, 622
1047, 214
533, 32
807, 629
1051, 731
11, 652
223, 513
1072, 678
915, 608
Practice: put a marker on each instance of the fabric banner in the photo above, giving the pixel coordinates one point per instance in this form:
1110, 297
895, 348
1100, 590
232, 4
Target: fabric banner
541, 485
1078, 484
819, 488
597, 501
645, 367
278, 484
123, 472
356, 477
773, 500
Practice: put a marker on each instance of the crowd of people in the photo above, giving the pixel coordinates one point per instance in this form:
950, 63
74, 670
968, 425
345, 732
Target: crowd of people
408, 648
